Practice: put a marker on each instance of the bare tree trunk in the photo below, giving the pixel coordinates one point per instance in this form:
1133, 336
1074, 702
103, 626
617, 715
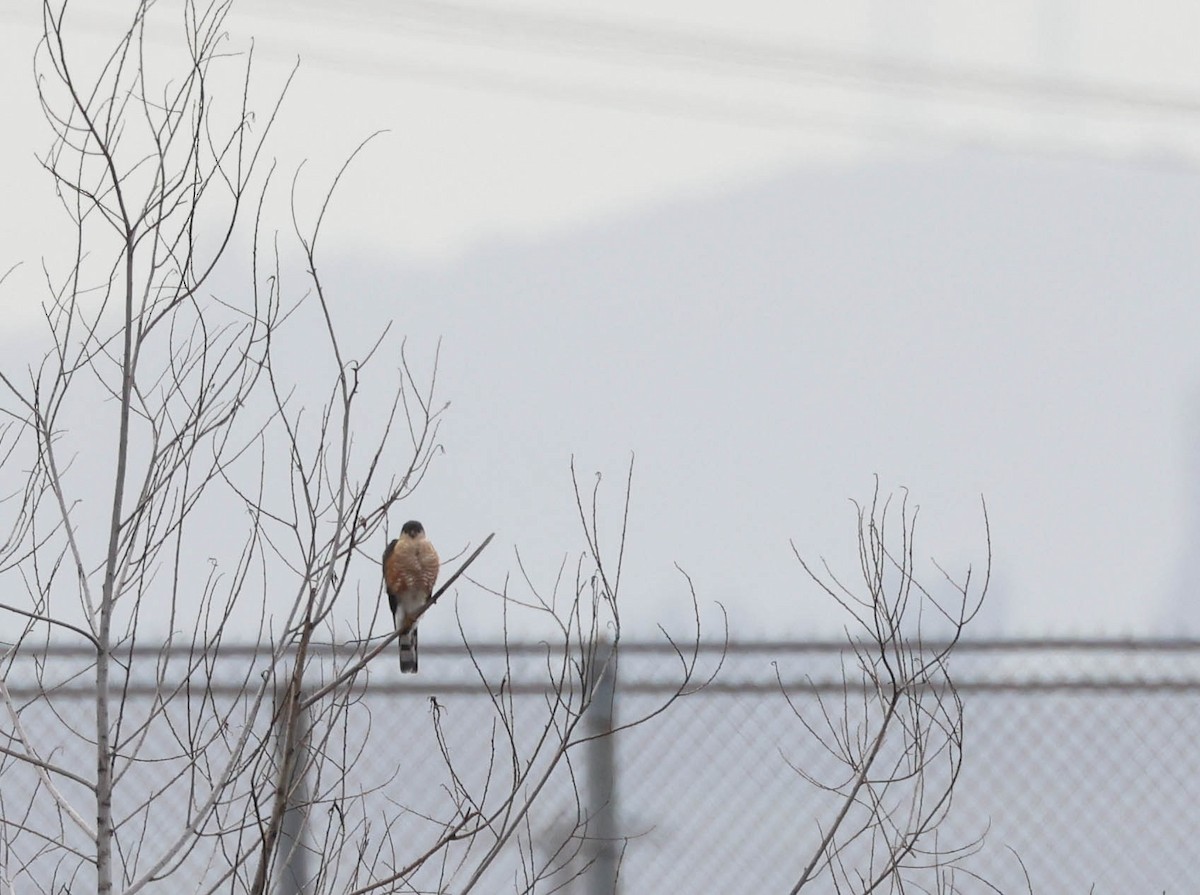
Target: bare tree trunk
110, 589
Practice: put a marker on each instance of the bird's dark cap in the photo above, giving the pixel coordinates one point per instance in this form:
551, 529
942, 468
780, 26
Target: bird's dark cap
412, 528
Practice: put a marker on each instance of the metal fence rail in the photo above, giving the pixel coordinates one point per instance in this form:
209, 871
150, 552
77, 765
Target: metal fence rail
1081, 757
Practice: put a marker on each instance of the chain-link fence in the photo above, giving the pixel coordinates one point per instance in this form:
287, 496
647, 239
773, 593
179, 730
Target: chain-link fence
1081, 767
1081, 762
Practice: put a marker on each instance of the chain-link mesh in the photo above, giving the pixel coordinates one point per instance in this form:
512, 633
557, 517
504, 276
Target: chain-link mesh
1093, 783
1081, 768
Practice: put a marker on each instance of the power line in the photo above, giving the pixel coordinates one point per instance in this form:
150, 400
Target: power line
713, 54
719, 53
860, 124
716, 53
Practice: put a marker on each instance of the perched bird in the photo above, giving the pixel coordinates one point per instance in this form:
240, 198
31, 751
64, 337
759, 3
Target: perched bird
410, 567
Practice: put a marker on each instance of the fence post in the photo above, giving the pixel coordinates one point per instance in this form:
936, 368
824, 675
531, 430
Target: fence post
602, 776
292, 851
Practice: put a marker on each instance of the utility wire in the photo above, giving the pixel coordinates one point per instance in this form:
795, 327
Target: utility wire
711, 51
717, 53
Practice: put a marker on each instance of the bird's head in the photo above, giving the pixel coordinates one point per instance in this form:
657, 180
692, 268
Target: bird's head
413, 529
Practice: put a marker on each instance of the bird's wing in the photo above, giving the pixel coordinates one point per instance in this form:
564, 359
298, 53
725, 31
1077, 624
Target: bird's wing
387, 578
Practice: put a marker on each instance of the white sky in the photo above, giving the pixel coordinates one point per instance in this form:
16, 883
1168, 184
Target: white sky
525, 143
518, 119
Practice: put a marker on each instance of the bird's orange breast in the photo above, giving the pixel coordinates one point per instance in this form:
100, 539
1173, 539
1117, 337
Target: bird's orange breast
411, 564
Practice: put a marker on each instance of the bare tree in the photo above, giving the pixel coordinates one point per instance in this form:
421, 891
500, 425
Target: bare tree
897, 733
235, 505
495, 776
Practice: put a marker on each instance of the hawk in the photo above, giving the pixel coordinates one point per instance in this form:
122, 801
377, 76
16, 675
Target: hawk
410, 567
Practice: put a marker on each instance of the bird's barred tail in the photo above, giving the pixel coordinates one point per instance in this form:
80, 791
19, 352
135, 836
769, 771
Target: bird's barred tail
408, 651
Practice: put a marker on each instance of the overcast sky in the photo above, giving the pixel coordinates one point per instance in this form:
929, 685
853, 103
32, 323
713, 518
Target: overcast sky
773, 254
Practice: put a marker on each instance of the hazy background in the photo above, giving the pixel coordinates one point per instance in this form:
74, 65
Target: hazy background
773, 250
